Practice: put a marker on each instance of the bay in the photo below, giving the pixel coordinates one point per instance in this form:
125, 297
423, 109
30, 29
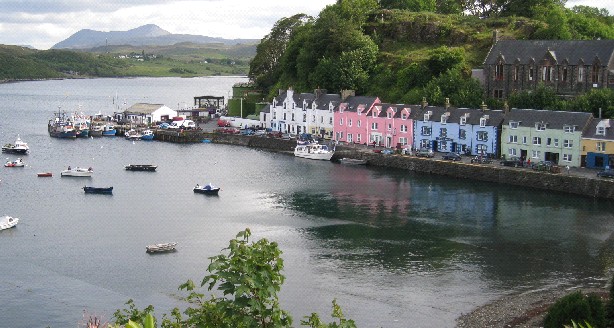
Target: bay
395, 248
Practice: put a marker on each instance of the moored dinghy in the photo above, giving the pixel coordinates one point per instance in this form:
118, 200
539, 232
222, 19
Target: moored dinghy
77, 172
164, 247
98, 190
208, 189
140, 167
7, 222
16, 163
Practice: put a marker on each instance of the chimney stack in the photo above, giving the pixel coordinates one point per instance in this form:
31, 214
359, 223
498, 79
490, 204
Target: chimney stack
447, 104
424, 103
483, 106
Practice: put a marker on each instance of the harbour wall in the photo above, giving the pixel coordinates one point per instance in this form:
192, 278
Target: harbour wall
560, 182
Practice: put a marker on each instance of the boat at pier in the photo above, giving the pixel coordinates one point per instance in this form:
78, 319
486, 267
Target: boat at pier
314, 150
140, 167
133, 134
19, 147
108, 130
147, 134
98, 190
60, 127
163, 247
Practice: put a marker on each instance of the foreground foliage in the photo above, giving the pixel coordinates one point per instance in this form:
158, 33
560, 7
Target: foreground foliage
577, 308
249, 278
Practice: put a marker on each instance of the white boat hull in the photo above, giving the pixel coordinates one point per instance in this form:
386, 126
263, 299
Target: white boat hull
314, 151
77, 172
7, 222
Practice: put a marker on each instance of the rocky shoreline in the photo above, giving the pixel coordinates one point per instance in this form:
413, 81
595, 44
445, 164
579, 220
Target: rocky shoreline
523, 310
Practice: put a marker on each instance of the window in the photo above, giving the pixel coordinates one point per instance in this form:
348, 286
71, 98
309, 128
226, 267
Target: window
403, 141
444, 119
556, 142
313, 118
403, 128
499, 72
463, 120
358, 124
321, 119
330, 121
564, 74
595, 74
374, 113
482, 149
426, 131
443, 132
567, 157
535, 154
513, 125
462, 134
425, 143
350, 137
547, 73
516, 70
537, 141
483, 122
304, 117
498, 93
374, 126
513, 139
340, 121
482, 136
389, 115
403, 116
358, 138
568, 128
567, 143
350, 122
512, 151
426, 117
548, 141
601, 146
531, 74
601, 130
389, 126
524, 140
540, 126
580, 74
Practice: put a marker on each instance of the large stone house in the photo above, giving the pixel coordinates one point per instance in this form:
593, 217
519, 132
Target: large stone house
569, 67
544, 135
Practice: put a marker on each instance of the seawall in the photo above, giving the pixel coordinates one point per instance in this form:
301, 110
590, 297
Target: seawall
560, 182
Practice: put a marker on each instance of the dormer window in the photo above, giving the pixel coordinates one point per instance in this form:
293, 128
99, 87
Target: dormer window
601, 130
444, 119
463, 120
568, 128
540, 126
284, 105
374, 114
389, 114
483, 121
513, 125
403, 116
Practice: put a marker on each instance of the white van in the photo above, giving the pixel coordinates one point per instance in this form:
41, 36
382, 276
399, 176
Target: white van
183, 124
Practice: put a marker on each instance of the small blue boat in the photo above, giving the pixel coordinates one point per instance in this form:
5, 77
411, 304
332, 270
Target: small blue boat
98, 190
109, 130
147, 135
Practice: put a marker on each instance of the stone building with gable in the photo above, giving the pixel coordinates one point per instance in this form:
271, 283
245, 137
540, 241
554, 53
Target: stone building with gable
569, 67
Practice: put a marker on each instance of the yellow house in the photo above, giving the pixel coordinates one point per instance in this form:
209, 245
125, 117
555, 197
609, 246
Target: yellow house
597, 142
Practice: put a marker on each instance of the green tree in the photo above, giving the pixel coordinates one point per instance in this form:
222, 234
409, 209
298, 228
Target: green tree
556, 26
444, 58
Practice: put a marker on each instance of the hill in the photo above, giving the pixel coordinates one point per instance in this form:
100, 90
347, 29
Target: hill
146, 35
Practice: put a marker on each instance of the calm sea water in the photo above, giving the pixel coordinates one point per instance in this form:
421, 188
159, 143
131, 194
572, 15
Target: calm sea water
394, 248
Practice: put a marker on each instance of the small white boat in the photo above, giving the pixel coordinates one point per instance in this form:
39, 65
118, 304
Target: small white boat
19, 147
133, 134
314, 151
164, 247
16, 163
77, 172
7, 222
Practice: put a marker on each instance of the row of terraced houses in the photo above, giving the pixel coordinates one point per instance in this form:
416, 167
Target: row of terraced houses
567, 138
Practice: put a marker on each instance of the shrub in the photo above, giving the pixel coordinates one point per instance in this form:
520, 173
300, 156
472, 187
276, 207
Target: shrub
576, 307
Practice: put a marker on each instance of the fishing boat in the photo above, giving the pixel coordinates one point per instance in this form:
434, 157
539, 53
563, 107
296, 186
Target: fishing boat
7, 222
147, 134
59, 127
77, 172
315, 151
44, 174
208, 189
96, 129
108, 130
133, 134
19, 147
140, 167
163, 247
98, 190
16, 163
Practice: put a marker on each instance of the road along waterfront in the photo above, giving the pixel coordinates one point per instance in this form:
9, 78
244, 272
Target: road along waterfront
391, 245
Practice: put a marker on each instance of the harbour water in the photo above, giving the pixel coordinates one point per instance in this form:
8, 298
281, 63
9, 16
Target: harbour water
395, 248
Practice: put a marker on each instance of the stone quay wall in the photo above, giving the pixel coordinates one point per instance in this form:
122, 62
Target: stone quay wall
560, 182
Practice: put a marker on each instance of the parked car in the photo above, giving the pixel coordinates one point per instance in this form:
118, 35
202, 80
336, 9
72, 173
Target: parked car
481, 160
387, 151
543, 165
606, 174
452, 156
425, 152
163, 126
512, 161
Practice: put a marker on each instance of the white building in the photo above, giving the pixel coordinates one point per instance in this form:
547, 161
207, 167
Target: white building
142, 113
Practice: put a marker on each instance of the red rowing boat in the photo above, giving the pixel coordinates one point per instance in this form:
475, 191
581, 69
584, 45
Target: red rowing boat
44, 174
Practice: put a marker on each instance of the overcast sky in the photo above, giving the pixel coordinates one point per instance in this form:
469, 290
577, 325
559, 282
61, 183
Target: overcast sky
43, 23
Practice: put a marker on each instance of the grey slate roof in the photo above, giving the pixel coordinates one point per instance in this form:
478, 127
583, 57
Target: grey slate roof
591, 130
572, 51
552, 119
355, 101
495, 117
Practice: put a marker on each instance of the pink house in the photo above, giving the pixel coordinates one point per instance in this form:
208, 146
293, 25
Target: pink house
385, 125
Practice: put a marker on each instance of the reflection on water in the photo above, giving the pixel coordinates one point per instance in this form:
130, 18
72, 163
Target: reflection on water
391, 246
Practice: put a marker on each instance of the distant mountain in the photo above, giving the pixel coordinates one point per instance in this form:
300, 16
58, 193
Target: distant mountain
146, 35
